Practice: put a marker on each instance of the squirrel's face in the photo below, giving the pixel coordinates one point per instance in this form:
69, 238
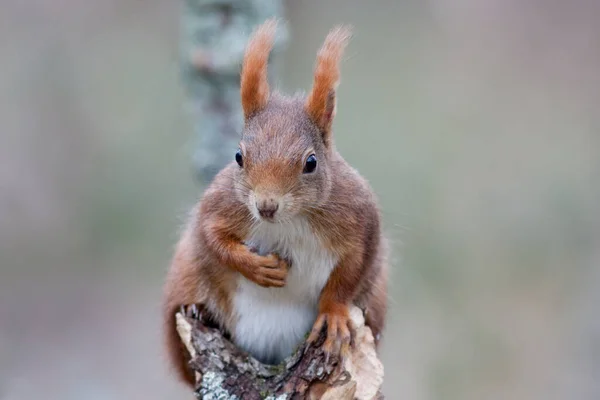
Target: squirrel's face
282, 163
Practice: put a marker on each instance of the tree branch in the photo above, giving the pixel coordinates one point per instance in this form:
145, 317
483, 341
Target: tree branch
224, 371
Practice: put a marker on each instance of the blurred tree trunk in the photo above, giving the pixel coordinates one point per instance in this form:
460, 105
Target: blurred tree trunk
214, 36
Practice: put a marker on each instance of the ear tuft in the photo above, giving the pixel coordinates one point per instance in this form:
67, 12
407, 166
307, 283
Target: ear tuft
321, 103
254, 85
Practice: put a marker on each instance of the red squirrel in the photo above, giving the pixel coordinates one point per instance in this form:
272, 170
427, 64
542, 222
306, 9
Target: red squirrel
288, 236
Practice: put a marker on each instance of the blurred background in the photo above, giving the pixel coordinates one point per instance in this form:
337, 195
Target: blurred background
476, 121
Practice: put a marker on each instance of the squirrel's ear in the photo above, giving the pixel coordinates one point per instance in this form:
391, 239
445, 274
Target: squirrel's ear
320, 104
254, 85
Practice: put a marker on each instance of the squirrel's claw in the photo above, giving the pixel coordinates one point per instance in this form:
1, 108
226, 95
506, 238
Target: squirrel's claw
190, 311
317, 328
339, 335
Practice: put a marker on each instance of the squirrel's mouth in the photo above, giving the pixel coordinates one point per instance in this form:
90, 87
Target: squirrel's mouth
271, 220
263, 217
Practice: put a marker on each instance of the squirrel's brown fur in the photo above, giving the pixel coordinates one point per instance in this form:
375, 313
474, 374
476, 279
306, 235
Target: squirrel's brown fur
320, 105
254, 86
334, 202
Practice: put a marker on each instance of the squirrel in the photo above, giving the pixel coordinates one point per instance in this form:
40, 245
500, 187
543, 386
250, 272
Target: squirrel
288, 236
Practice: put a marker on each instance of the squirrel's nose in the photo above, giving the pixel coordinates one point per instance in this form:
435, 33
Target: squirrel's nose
267, 208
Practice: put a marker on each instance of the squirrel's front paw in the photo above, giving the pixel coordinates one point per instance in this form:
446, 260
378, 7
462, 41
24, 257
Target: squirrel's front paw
269, 271
339, 331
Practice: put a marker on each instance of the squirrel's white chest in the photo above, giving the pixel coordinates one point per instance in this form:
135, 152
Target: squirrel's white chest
271, 322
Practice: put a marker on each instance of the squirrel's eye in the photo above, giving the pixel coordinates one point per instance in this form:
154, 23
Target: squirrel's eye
238, 158
310, 165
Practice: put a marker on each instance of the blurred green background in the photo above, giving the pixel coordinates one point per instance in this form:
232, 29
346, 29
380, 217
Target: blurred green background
477, 123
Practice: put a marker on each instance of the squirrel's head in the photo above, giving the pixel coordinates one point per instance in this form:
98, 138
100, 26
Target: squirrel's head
285, 152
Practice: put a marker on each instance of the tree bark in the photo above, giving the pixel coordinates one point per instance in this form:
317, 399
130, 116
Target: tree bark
225, 372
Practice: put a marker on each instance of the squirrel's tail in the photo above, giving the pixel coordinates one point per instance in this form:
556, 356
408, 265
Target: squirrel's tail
176, 351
